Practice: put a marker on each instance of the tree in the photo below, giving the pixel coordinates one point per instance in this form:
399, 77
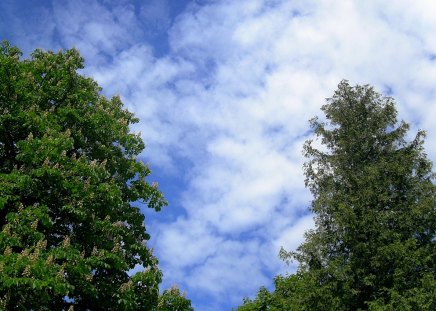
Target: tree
172, 300
374, 242
69, 173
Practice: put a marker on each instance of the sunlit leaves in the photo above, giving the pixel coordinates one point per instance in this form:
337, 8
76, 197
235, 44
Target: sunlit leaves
68, 175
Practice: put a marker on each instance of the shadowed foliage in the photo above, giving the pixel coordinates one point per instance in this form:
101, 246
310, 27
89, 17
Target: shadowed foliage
374, 242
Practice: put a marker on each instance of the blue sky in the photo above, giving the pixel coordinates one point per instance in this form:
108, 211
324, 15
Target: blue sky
224, 91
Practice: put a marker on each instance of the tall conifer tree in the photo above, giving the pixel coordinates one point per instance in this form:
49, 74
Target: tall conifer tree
374, 205
374, 241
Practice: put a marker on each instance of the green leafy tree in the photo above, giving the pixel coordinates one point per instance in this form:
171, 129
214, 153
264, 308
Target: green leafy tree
172, 300
374, 242
295, 292
68, 176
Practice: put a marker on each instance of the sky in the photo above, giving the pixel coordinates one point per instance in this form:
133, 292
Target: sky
224, 91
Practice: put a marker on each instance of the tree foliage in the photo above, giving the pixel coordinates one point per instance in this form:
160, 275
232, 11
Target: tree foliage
173, 300
374, 242
68, 176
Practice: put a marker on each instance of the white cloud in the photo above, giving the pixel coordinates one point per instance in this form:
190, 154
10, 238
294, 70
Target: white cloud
272, 69
99, 30
156, 15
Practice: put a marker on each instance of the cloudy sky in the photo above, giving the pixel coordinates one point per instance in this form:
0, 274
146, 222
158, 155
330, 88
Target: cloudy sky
224, 91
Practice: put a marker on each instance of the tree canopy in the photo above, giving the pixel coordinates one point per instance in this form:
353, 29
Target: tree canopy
374, 242
69, 174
